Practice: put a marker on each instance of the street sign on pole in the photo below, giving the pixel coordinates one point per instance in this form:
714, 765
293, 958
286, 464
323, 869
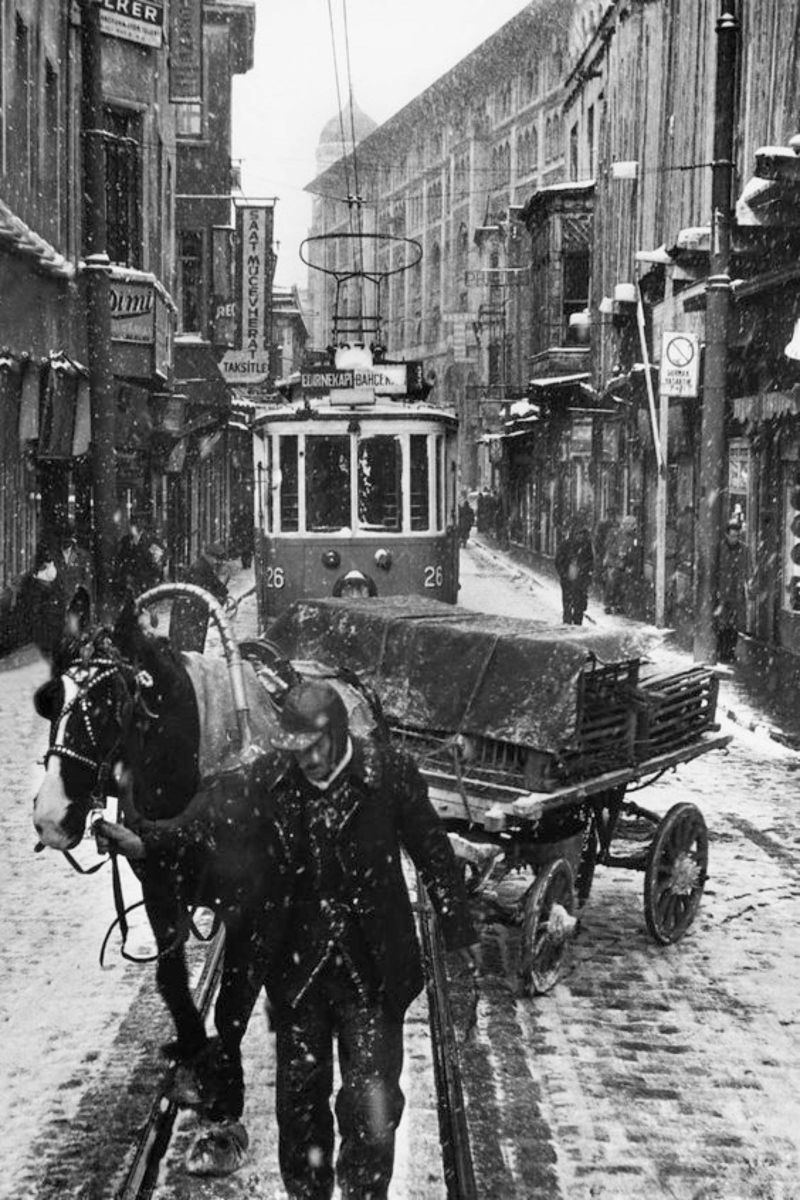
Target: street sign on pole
680, 364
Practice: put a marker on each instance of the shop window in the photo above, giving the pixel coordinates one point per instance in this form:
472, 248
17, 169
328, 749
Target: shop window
738, 479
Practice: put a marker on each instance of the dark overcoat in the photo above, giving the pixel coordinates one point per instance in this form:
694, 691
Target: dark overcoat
382, 808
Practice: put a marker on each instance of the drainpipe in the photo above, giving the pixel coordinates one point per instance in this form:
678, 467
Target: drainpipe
713, 455
98, 308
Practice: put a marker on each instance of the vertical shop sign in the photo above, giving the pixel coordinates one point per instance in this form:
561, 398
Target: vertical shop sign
250, 361
185, 52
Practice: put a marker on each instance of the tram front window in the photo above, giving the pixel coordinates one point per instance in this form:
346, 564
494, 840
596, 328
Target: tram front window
380, 471
327, 483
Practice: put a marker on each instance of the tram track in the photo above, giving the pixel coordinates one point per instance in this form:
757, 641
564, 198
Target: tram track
154, 1141
459, 1173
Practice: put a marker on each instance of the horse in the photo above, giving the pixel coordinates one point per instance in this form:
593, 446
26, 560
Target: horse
124, 719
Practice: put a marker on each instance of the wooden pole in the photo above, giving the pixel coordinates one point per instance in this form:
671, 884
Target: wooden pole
713, 457
98, 308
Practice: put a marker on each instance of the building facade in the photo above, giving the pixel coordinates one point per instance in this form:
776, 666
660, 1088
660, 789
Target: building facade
441, 184
164, 134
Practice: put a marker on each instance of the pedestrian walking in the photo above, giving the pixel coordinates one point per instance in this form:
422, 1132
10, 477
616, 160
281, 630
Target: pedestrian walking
36, 612
189, 620
730, 608
74, 570
137, 563
466, 519
605, 552
348, 965
575, 563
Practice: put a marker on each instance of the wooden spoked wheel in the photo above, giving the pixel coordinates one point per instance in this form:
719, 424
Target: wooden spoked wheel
676, 872
548, 928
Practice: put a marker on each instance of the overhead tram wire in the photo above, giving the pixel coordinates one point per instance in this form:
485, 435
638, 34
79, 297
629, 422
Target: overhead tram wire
359, 263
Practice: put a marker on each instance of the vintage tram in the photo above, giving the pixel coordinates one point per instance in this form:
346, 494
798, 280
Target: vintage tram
355, 470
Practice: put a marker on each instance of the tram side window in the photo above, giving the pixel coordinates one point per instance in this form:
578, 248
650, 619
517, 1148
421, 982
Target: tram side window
440, 483
290, 516
380, 473
327, 483
420, 510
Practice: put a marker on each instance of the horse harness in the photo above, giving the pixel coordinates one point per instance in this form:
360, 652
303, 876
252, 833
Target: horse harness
87, 678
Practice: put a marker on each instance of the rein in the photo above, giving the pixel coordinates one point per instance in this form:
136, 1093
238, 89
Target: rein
88, 681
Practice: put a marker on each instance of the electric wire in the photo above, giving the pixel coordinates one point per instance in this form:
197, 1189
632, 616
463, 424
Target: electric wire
359, 253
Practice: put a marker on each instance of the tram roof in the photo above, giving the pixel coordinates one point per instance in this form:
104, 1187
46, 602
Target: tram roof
319, 408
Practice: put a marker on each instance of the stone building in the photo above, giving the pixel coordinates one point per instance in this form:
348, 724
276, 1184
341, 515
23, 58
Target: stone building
165, 132
446, 178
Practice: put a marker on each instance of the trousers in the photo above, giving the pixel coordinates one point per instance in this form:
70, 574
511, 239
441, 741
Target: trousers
369, 1103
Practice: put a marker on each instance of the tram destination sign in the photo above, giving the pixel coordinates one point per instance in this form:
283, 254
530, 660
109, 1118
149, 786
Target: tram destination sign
391, 379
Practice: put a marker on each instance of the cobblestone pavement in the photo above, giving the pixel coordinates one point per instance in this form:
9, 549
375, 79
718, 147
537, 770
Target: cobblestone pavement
647, 1072
654, 1071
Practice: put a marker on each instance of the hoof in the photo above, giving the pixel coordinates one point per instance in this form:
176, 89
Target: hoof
217, 1149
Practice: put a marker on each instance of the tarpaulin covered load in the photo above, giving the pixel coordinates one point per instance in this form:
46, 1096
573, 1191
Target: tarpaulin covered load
437, 667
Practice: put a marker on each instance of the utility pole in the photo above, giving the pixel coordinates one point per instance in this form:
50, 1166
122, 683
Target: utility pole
98, 308
713, 457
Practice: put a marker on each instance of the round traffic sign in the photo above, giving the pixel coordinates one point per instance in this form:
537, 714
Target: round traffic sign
680, 351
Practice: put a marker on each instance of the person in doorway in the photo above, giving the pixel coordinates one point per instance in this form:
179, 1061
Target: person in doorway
189, 620
466, 519
730, 608
575, 563
349, 964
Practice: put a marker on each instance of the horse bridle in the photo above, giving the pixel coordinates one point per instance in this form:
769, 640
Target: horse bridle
87, 676
106, 669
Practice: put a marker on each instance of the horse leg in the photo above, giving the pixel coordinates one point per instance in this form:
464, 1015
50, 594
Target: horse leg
242, 979
219, 1148
167, 919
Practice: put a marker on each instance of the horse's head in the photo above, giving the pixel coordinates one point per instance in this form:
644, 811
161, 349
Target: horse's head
89, 703
115, 700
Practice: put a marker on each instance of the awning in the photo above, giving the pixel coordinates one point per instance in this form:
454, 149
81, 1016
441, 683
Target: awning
59, 408
768, 203
765, 405
558, 381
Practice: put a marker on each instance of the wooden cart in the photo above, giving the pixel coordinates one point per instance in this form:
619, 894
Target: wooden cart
532, 739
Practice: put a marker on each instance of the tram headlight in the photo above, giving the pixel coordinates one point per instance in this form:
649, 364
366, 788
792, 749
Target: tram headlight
331, 559
383, 559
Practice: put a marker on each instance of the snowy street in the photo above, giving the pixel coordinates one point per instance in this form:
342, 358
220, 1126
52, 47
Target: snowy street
649, 1071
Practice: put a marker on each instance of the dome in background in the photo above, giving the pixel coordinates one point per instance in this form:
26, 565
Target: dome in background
332, 130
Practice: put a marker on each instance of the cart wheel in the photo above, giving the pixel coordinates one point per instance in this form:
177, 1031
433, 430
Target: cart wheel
548, 927
676, 872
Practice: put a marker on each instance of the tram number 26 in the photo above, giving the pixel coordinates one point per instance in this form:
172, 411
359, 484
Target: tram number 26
274, 577
434, 577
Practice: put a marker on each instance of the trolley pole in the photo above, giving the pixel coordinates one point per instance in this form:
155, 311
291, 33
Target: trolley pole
713, 458
98, 308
